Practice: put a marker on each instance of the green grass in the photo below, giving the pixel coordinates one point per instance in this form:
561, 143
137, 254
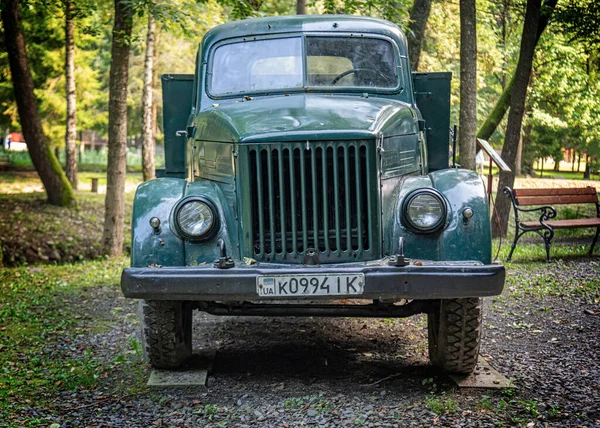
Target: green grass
530, 275
569, 175
316, 402
441, 404
42, 312
32, 231
567, 243
89, 161
531, 252
45, 308
28, 182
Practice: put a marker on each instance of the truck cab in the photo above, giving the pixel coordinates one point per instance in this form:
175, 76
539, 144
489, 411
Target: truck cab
306, 164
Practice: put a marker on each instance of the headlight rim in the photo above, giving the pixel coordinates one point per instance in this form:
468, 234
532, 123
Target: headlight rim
406, 219
210, 233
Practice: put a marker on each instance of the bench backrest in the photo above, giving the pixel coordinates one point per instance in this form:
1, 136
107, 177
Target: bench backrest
580, 195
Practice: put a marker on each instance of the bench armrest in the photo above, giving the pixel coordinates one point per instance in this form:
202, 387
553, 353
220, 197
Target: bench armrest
546, 212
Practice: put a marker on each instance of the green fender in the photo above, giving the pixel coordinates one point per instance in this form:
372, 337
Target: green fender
156, 198
457, 240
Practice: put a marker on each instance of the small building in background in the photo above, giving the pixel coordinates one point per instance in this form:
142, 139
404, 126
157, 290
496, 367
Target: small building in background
14, 142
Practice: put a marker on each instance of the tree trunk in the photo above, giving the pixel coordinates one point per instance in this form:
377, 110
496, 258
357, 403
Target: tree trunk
519, 159
504, 22
112, 239
495, 117
71, 133
517, 110
578, 161
155, 82
572, 160
419, 15
542, 170
587, 171
300, 7
467, 127
53, 178
148, 144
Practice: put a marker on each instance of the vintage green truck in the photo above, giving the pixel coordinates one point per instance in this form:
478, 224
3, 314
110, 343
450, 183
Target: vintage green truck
305, 163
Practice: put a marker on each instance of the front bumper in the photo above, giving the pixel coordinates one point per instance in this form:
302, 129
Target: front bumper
429, 280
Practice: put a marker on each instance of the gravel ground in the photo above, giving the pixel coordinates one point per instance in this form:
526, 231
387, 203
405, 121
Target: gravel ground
357, 372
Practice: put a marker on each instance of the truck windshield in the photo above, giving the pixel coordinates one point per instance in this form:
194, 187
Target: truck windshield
277, 65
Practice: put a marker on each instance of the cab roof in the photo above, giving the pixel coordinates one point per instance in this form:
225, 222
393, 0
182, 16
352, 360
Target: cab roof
304, 23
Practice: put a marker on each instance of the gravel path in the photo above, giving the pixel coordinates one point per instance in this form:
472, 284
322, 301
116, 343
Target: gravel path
275, 372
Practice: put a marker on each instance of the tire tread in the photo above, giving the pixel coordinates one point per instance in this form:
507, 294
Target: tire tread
459, 334
166, 332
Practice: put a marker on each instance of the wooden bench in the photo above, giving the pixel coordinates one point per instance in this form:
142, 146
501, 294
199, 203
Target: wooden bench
544, 199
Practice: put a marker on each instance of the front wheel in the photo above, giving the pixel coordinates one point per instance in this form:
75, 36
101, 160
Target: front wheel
454, 330
166, 332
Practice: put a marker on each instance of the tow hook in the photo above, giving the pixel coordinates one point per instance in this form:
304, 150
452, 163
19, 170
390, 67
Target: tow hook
311, 257
398, 260
224, 261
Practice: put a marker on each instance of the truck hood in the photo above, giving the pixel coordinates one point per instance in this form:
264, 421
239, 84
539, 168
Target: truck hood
305, 116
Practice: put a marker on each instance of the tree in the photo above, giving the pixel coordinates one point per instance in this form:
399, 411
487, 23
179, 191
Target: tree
545, 135
148, 144
468, 83
515, 116
43, 25
58, 188
419, 15
112, 239
581, 20
562, 106
300, 7
71, 132
495, 117
158, 12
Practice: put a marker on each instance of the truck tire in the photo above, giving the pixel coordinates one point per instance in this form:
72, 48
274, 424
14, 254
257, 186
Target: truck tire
454, 330
166, 332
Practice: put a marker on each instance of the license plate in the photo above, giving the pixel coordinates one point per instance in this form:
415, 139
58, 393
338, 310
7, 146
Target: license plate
310, 285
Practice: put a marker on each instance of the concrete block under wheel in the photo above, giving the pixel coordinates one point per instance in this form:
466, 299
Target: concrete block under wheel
193, 375
484, 376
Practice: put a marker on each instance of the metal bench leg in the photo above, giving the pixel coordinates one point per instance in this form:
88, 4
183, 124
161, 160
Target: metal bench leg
514, 244
595, 240
548, 235
547, 243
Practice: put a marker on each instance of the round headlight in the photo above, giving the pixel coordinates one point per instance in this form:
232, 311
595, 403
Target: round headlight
425, 211
196, 218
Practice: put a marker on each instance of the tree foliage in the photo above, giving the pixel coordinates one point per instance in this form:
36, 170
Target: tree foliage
58, 189
567, 59
43, 27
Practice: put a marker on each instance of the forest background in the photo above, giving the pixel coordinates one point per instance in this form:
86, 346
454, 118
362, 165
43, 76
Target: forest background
561, 109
